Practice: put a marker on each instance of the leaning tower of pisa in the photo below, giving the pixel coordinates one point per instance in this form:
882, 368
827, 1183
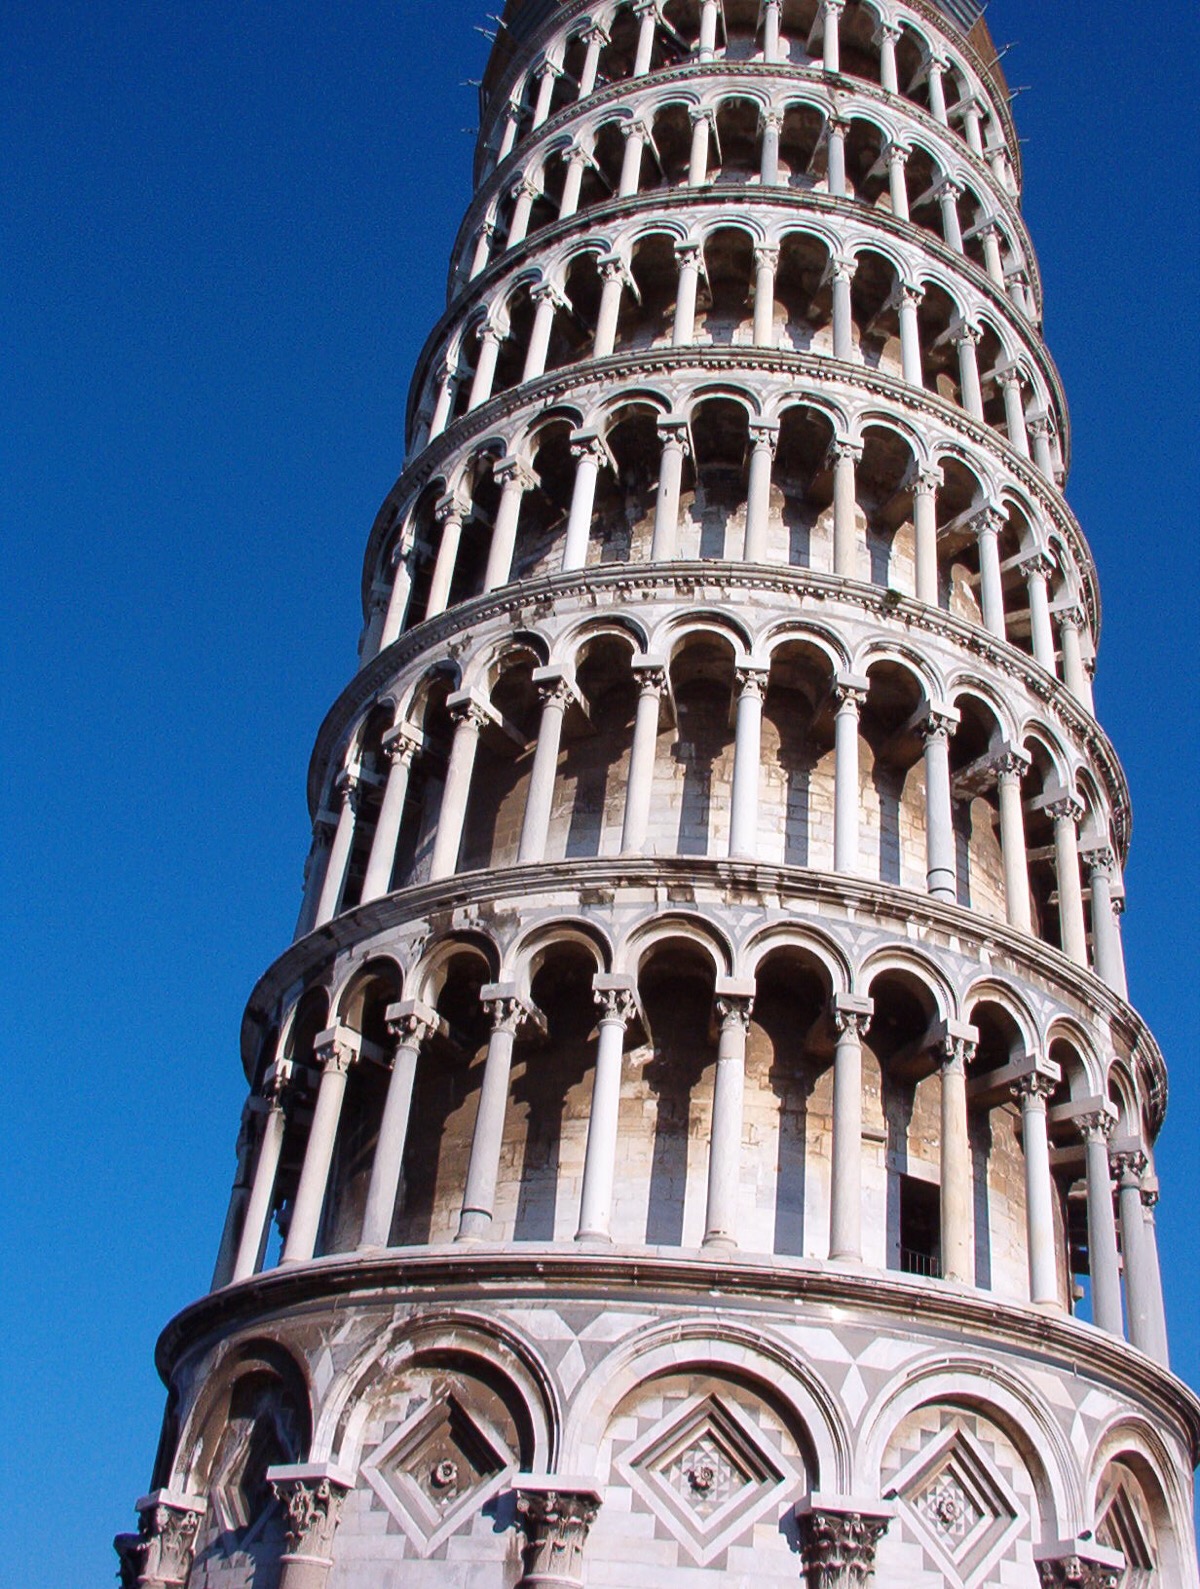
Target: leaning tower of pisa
700, 1134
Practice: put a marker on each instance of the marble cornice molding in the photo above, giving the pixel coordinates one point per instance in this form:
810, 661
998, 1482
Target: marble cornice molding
500, 92
974, 936
448, 1277
434, 638
566, 385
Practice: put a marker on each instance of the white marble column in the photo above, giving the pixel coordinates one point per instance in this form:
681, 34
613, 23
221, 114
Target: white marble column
508, 138
490, 338
1041, 428
987, 526
311, 1497
334, 882
763, 441
1032, 1093
556, 692
925, 532
451, 513
835, 133
710, 12
1102, 1226
514, 477
772, 128
851, 1016
972, 124
888, 36
590, 455
702, 121
616, 997
683, 331
675, 448
336, 1050
508, 1013
908, 302
948, 196
1037, 570
850, 693
993, 260
400, 746
636, 135
615, 274
941, 867
316, 869
548, 74
1107, 950
1071, 622
966, 340
1010, 770
1014, 411
410, 1023
470, 716
444, 402
651, 677
735, 1000
841, 272
831, 12
401, 593
235, 1212
556, 1516
577, 161
896, 156
846, 457
256, 1222
935, 70
766, 261
377, 606
751, 685
596, 38
1160, 1349
770, 12
1066, 814
957, 1261
1129, 1166
549, 301
649, 14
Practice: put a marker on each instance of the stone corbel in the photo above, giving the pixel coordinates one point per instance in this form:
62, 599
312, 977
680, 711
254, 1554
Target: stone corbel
311, 1495
556, 1514
1079, 1564
839, 1537
159, 1555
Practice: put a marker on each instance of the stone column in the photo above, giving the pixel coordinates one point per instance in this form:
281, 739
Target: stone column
966, 340
614, 274
508, 138
765, 262
698, 160
941, 865
590, 455
1080, 1564
549, 301
839, 1537
675, 448
1010, 770
1066, 814
763, 441
397, 610
925, 489
1107, 952
508, 1013
235, 1213
771, 11
831, 12
851, 1016
735, 1000
617, 999
410, 1023
450, 513
846, 457
1129, 1166
957, 1049
577, 161
1041, 428
483, 251
683, 331
908, 299
841, 271
555, 692
514, 477
1037, 570
772, 127
835, 132
948, 196
850, 693
935, 71
312, 1496
710, 12
339, 856
1097, 1128
888, 36
1160, 1349
548, 75
1032, 1092
556, 1515
400, 746
336, 1051
987, 526
1014, 411
635, 134
989, 236
316, 869
897, 164
1075, 674
160, 1554
652, 681
470, 716
257, 1220
648, 13
377, 606
490, 338
596, 38
747, 758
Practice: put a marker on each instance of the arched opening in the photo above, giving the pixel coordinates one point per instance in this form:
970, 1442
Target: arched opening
974, 750
883, 485
594, 772
803, 294
738, 141
803, 153
647, 315
623, 510
546, 507
503, 761
801, 531
876, 316
713, 510
697, 764
796, 789
724, 312
997, 1157
893, 775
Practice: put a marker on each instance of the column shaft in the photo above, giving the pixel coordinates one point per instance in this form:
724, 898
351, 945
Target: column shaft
991, 581
479, 1197
847, 796
447, 558
910, 335
942, 871
747, 757
600, 1159
845, 503
956, 1168
1070, 885
725, 1146
684, 329
698, 161
670, 483
1102, 1232
1039, 1192
318, 1156
339, 856
608, 317
378, 880
765, 261
845, 1203
758, 497
897, 163
256, 1223
1013, 847
539, 799
642, 755
588, 455
455, 792
393, 1133
1036, 571
926, 535
1130, 1169
514, 483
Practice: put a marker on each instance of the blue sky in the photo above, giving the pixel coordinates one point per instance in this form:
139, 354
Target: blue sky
225, 232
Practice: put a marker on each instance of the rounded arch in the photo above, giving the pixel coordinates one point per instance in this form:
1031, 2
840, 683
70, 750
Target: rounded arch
921, 968
989, 989
636, 946
586, 631
667, 638
236, 1363
787, 632
794, 935
429, 975
528, 953
362, 995
881, 649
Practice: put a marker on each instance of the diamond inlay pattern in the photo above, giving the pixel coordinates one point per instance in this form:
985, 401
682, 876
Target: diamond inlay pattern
962, 1506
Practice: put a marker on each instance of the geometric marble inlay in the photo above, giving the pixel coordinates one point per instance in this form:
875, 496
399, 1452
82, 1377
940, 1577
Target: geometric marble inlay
1121, 1528
440, 1465
706, 1471
961, 1506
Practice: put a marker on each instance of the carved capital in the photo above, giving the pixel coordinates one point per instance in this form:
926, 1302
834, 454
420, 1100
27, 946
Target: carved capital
1039, 566
771, 120
1041, 425
1100, 859
734, 1011
616, 1004
651, 678
688, 254
1097, 1127
751, 681
559, 692
842, 267
851, 1023
634, 129
334, 1050
897, 154
990, 521
910, 292
950, 190
596, 33
927, 482
506, 1012
939, 723
159, 1555
312, 1503
613, 268
966, 334
1068, 809
765, 436
1077, 1570
838, 1547
766, 257
587, 445
956, 1054
1128, 1167
514, 471
547, 292
1036, 1086
1012, 764
845, 451
674, 433
410, 1023
556, 1524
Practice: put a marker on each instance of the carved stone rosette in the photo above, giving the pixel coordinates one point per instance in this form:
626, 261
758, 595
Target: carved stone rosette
838, 1546
556, 1523
159, 1555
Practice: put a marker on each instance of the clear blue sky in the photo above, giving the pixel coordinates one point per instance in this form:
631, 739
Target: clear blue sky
224, 232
